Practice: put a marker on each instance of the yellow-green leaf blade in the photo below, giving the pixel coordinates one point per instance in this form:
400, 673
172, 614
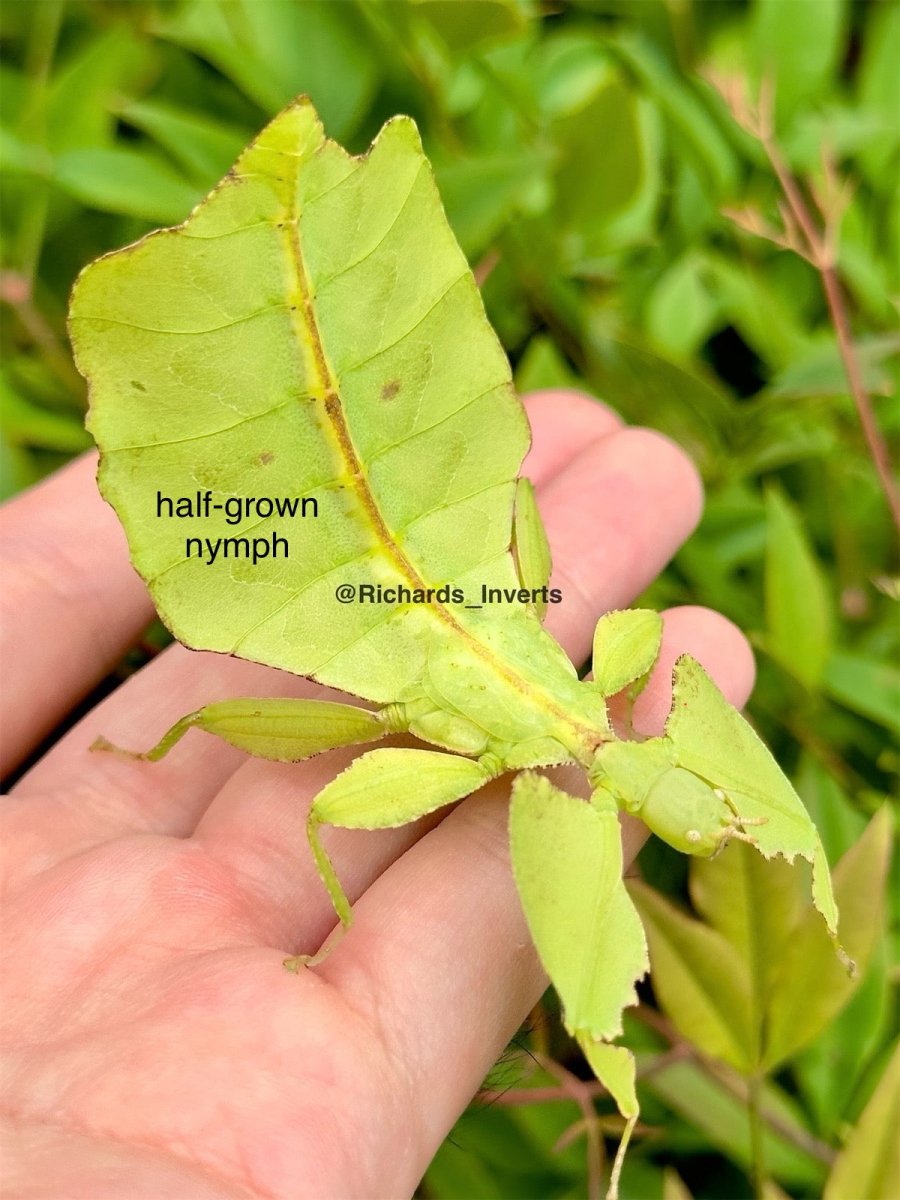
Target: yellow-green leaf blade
811, 986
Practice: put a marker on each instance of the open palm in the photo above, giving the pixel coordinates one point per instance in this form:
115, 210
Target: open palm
154, 1045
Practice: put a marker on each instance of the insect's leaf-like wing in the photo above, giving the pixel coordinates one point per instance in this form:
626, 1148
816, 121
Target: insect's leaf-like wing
531, 545
567, 860
312, 330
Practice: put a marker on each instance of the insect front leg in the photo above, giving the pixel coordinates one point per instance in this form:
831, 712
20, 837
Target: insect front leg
383, 789
673, 803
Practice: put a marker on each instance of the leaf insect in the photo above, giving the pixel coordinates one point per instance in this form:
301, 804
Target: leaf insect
313, 329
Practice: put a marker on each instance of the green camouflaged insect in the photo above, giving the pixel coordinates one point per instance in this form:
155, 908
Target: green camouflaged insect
314, 330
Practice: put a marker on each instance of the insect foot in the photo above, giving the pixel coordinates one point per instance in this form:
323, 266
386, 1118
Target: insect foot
735, 829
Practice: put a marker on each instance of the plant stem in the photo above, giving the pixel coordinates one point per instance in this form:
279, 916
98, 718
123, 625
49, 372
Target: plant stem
736, 1086
822, 257
757, 1145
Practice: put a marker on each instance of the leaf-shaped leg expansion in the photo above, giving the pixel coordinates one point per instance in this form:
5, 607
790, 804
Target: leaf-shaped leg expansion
281, 730
567, 861
709, 779
381, 790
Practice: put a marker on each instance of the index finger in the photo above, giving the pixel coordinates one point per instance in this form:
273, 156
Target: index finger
71, 605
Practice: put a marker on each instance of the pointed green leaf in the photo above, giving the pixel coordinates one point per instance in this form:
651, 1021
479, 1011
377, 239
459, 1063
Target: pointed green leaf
868, 686
393, 786
530, 543
832, 1068
567, 861
699, 979
137, 183
798, 608
754, 903
810, 986
203, 147
674, 1187
838, 821
870, 1163
716, 1105
711, 739
626, 645
796, 47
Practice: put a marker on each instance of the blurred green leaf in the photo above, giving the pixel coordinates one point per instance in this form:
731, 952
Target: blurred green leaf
570, 67
480, 194
755, 903
203, 148
830, 1069
699, 979
796, 45
273, 51
798, 608
542, 366
870, 1163
681, 103
132, 182
866, 686
681, 309
766, 318
26, 424
877, 88
719, 1110
496, 1151
607, 176
821, 372
651, 390
838, 822
674, 1187
811, 985
79, 104
464, 24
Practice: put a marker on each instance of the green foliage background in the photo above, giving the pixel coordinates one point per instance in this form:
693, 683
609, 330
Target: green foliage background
585, 162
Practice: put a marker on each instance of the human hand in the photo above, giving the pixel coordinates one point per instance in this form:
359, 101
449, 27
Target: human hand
154, 1044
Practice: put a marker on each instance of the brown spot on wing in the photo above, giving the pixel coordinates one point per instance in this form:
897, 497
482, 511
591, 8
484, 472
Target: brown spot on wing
263, 460
390, 389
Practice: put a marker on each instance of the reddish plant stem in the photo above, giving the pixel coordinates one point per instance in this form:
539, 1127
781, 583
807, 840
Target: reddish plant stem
823, 259
581, 1093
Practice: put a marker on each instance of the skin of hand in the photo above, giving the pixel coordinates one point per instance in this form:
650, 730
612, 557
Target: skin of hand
154, 1045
